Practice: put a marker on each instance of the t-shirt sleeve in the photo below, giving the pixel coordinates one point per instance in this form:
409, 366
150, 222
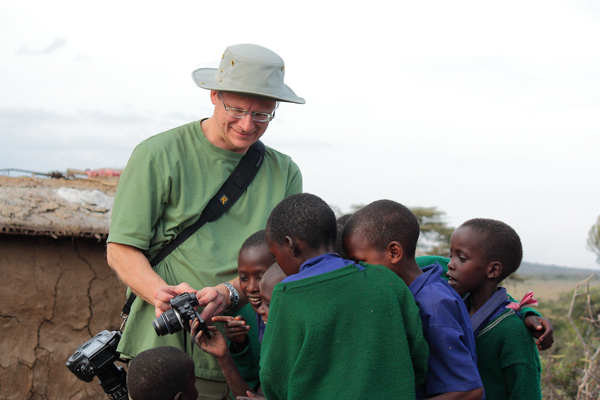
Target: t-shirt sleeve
139, 200
294, 180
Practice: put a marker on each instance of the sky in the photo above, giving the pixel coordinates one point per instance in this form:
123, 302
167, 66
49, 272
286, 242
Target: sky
481, 109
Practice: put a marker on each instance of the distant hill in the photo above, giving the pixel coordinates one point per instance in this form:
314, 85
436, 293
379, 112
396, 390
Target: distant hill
549, 272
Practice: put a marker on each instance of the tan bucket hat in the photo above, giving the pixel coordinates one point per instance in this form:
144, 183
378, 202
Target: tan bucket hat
248, 69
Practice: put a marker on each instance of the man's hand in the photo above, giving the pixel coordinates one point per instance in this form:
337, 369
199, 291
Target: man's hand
163, 294
213, 300
542, 329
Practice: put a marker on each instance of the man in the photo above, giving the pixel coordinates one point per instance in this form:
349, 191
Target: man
170, 178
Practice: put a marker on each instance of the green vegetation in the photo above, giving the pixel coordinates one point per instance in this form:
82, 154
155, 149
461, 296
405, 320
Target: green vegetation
594, 239
571, 368
435, 232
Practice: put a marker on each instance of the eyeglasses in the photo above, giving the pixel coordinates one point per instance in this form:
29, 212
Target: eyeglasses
239, 113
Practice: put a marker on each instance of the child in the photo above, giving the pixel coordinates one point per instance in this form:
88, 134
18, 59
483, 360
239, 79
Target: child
483, 253
330, 320
217, 346
253, 261
540, 328
385, 232
244, 349
162, 373
273, 276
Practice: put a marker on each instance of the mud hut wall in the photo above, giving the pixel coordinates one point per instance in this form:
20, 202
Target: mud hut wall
56, 294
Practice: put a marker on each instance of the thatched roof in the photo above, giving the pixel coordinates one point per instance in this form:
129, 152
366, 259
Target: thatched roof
56, 207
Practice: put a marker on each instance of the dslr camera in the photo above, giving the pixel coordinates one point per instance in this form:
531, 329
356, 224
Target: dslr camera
183, 310
96, 357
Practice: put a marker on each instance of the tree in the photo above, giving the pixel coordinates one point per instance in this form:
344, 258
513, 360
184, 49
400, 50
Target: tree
594, 239
435, 232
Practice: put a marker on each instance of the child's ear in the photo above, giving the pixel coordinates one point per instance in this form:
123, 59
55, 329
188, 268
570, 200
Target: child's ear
395, 252
494, 270
291, 245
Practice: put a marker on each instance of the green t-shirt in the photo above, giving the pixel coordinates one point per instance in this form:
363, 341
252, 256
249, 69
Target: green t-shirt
168, 181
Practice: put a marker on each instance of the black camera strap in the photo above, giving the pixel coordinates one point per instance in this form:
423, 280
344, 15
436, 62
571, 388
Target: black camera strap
227, 195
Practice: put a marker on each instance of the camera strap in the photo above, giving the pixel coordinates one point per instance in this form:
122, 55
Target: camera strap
226, 196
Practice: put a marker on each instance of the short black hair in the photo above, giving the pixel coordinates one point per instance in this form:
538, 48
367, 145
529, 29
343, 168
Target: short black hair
500, 243
343, 219
383, 222
304, 216
159, 373
257, 239
338, 247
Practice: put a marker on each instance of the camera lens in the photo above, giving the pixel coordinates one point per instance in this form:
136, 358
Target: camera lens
167, 322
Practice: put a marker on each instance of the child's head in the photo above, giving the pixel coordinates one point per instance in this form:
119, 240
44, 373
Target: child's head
383, 232
254, 259
482, 252
272, 277
162, 373
300, 227
341, 221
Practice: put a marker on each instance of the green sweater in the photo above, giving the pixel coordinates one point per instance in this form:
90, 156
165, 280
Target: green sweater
508, 360
345, 334
247, 361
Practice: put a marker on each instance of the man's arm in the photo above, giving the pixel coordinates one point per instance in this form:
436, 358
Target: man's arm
134, 270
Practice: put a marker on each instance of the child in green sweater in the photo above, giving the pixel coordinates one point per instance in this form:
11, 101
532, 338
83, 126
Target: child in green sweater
328, 335
483, 253
240, 360
386, 232
217, 346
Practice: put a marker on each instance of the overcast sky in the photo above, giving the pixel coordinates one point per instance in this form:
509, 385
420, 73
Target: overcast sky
481, 109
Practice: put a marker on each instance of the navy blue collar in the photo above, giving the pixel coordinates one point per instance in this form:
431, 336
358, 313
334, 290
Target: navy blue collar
491, 309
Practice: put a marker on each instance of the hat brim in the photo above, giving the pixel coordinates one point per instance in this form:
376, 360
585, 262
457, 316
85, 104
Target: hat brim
205, 78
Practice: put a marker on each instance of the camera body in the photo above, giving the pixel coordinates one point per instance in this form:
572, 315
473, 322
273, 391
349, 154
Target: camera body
96, 357
179, 316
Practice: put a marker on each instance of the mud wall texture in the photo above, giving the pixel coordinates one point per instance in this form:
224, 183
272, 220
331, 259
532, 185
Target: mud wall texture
56, 294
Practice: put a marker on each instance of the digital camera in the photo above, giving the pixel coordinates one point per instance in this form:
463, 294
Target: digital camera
179, 316
96, 357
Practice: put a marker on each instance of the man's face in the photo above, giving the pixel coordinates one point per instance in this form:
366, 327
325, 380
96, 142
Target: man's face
235, 134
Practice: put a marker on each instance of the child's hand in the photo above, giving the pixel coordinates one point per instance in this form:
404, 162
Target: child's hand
236, 329
542, 329
250, 396
215, 346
